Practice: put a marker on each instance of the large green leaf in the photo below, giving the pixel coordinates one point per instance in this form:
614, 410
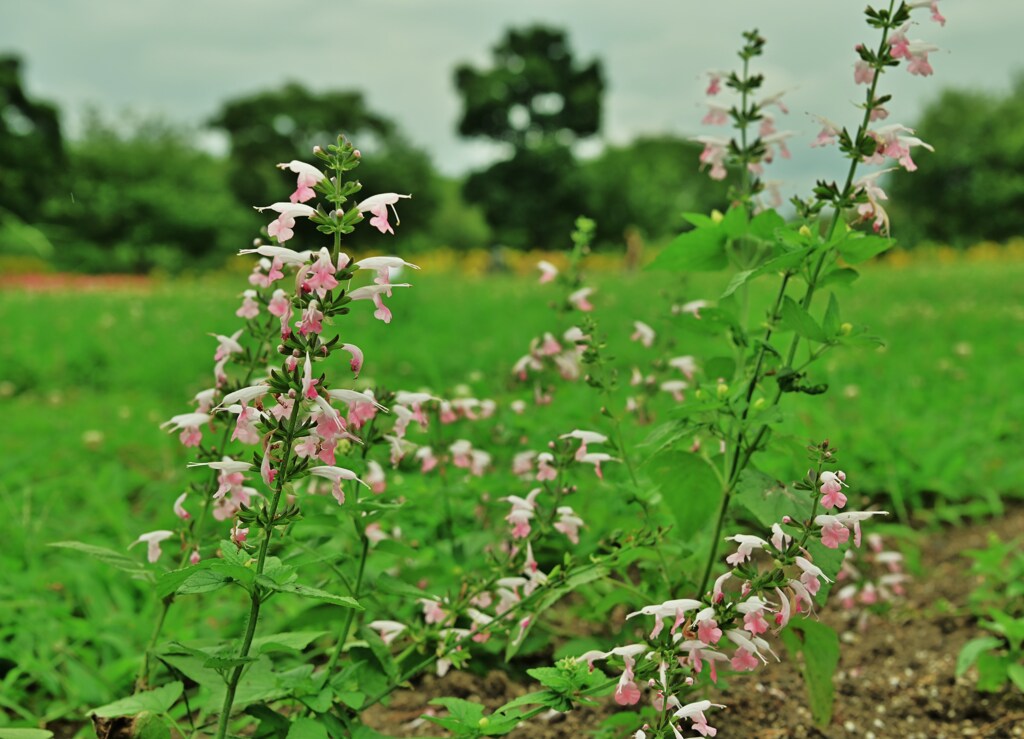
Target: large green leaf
699, 250
690, 490
157, 701
856, 248
796, 318
970, 652
305, 591
818, 645
307, 728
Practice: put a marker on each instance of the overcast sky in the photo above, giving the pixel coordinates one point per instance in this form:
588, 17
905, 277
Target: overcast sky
182, 58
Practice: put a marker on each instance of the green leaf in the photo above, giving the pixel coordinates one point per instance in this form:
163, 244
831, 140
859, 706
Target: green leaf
1016, 674
992, 671
735, 223
285, 642
203, 581
765, 224
390, 584
305, 591
108, 556
157, 701
690, 490
796, 318
307, 728
841, 276
971, 650
716, 367
859, 248
767, 500
819, 646
699, 250
169, 582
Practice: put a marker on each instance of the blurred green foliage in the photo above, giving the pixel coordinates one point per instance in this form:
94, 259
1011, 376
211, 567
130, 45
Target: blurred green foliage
538, 100
972, 187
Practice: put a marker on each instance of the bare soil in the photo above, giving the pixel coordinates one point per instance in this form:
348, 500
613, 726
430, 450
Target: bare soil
895, 678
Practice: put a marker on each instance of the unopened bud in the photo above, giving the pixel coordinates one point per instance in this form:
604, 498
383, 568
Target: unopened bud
716, 216
805, 231
846, 329
357, 154
484, 722
787, 519
723, 390
317, 149
257, 242
760, 403
699, 394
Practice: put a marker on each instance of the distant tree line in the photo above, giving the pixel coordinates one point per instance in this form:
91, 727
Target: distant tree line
138, 194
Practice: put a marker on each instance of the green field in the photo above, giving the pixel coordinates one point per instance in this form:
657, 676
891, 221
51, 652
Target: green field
934, 421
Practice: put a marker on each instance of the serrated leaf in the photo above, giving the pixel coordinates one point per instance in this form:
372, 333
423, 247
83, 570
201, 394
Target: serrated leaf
203, 581
157, 701
819, 645
690, 490
796, 318
304, 591
699, 250
170, 581
765, 225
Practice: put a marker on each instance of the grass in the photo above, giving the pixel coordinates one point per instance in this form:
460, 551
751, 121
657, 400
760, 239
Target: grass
933, 422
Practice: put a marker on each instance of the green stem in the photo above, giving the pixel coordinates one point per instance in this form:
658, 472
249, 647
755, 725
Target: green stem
254, 609
737, 465
350, 612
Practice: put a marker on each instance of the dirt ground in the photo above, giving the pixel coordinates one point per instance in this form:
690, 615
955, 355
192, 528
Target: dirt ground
895, 679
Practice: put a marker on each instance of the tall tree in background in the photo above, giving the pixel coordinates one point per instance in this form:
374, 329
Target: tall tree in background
284, 124
972, 187
645, 186
31, 149
539, 101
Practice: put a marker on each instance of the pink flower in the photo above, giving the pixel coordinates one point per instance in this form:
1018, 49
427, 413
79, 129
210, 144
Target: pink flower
281, 227
548, 271
188, 424
833, 532
426, 457
152, 539
281, 255
238, 534
568, 523
383, 267
642, 333
308, 175
747, 544
337, 475
715, 151
522, 512
312, 318
245, 428
375, 477
596, 458
627, 693
308, 383
378, 206
675, 389
387, 630
179, 508
707, 627
717, 115
829, 132
686, 364
373, 292
715, 82
321, 273
580, 299
227, 345
585, 437
356, 363
250, 308
433, 613
545, 470
693, 308
863, 73
832, 489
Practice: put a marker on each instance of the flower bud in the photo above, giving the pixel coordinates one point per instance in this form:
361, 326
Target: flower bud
722, 389
759, 404
805, 231
716, 216
846, 329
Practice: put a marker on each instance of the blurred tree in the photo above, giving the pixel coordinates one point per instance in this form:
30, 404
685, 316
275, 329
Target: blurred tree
972, 187
539, 101
284, 124
31, 151
646, 186
140, 195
